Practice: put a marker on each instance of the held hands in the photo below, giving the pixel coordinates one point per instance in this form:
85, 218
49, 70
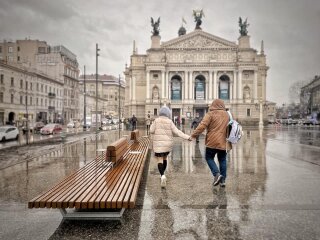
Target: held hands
190, 139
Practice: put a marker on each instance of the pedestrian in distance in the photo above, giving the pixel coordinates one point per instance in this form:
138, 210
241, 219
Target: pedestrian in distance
215, 122
134, 121
148, 123
195, 124
162, 130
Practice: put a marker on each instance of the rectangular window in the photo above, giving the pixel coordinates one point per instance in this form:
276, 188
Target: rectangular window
1, 78
41, 88
18, 58
21, 83
18, 49
155, 112
46, 89
248, 112
12, 98
10, 49
31, 86
1, 97
12, 82
26, 85
155, 75
41, 50
37, 101
21, 99
31, 101
38, 87
41, 101
26, 100
0, 49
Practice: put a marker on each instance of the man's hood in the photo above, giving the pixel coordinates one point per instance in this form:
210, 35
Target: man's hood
217, 104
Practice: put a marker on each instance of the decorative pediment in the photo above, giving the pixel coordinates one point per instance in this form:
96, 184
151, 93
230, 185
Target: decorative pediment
198, 39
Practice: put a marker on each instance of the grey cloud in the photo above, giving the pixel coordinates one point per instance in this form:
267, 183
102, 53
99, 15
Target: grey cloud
289, 30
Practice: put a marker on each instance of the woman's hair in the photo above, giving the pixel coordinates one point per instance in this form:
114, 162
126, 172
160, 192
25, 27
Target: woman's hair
165, 111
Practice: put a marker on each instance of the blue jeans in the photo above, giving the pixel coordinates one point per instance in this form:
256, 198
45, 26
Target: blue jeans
222, 158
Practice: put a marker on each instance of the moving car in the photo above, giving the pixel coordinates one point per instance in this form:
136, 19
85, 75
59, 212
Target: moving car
51, 128
8, 132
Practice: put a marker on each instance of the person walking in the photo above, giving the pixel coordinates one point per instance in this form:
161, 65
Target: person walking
162, 130
134, 121
195, 123
215, 122
148, 123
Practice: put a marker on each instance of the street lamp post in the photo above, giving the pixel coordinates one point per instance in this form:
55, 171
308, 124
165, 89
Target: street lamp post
97, 55
84, 98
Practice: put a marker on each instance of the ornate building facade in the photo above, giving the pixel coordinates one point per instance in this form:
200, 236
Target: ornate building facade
188, 72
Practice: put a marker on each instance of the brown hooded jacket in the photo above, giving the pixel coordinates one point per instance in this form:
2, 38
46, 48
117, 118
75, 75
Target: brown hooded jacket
216, 122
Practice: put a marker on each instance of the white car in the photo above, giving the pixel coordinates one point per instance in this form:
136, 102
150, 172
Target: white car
8, 132
70, 125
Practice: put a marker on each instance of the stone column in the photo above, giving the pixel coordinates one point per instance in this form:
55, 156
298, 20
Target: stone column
162, 85
210, 85
235, 85
263, 90
130, 89
190, 85
240, 96
148, 85
231, 91
133, 88
167, 87
255, 87
215, 87
186, 85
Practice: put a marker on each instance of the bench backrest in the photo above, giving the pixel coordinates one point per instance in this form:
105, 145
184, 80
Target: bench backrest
134, 135
116, 150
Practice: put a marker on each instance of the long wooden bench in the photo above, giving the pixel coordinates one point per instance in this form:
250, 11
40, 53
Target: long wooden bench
99, 186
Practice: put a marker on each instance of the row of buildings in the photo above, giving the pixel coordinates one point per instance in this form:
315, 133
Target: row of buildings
42, 82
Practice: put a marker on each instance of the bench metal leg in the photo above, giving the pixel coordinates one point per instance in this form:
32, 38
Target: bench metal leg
86, 215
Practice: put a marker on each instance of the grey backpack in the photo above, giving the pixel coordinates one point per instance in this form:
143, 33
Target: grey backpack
235, 130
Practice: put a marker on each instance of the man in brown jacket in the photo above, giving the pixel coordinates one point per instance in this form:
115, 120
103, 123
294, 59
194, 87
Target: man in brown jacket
215, 122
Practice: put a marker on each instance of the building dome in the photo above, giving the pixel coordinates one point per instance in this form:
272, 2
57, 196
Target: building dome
182, 31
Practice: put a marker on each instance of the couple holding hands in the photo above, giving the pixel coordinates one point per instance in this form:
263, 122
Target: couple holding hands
215, 122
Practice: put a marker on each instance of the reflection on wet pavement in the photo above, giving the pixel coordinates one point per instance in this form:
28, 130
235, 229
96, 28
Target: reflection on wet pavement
271, 193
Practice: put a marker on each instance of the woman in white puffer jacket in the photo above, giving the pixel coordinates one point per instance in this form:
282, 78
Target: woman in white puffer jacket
162, 130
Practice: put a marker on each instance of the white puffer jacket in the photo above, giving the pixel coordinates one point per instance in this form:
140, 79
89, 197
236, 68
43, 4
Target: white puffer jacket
162, 130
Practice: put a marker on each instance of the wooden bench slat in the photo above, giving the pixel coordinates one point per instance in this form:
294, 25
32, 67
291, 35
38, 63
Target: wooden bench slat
134, 193
119, 201
54, 200
35, 201
112, 200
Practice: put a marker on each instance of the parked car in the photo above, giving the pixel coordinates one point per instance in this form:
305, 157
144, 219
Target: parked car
33, 127
8, 132
70, 124
51, 128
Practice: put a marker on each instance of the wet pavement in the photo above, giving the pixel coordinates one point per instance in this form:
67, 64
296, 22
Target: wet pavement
272, 192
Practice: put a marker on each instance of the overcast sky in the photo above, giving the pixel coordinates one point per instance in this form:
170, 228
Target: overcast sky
290, 30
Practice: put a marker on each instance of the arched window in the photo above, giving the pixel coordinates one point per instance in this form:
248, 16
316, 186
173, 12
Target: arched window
200, 88
176, 93
224, 84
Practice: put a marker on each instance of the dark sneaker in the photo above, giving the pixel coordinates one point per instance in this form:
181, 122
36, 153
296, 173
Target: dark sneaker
217, 179
222, 184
